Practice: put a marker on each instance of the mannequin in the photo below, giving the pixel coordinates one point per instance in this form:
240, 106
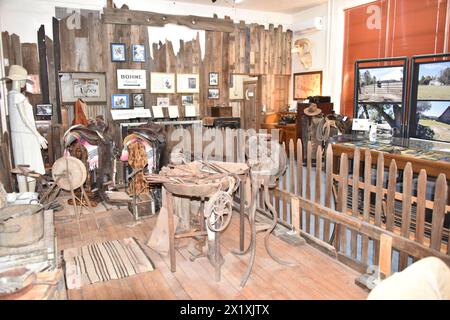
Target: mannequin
26, 140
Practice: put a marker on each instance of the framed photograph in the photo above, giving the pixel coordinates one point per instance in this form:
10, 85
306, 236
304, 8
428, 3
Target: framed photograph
44, 109
120, 101
138, 100
187, 83
162, 101
138, 53
213, 93
307, 84
162, 82
187, 100
118, 52
89, 86
213, 78
380, 85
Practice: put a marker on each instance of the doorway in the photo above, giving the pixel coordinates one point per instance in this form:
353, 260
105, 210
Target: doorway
251, 113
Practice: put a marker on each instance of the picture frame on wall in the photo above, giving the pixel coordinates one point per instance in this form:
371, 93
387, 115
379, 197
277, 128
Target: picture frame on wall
138, 53
213, 93
44, 110
188, 83
213, 78
138, 100
162, 82
120, 101
187, 100
88, 86
307, 84
118, 52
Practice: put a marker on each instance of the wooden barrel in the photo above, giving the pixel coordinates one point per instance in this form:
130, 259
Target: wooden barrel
21, 225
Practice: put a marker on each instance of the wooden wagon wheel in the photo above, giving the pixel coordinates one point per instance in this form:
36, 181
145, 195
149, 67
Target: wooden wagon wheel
218, 211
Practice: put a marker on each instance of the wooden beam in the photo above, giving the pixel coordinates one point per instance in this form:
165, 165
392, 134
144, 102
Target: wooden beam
57, 118
401, 243
146, 18
43, 70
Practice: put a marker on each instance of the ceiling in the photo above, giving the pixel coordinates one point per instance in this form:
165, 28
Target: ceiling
282, 6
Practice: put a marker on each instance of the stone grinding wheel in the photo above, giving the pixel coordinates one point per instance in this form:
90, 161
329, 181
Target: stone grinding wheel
76, 169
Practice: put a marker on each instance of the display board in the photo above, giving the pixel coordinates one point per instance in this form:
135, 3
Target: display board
380, 92
429, 107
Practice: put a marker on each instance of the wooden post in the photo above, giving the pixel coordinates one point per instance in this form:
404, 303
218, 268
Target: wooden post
43, 71
385, 265
171, 228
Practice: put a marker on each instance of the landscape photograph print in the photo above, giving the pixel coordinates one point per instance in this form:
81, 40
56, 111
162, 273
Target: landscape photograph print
434, 81
380, 85
432, 121
388, 116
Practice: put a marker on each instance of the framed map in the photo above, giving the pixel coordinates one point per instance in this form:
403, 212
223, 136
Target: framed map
307, 84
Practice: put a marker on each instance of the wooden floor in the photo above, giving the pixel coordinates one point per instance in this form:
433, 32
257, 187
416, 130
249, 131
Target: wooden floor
317, 276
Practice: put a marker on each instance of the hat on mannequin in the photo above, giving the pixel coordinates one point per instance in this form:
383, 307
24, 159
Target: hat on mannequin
312, 110
17, 73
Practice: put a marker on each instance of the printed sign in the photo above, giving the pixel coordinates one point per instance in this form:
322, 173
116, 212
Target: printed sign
131, 79
361, 125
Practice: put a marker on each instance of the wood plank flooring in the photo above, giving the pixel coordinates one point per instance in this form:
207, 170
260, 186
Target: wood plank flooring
316, 276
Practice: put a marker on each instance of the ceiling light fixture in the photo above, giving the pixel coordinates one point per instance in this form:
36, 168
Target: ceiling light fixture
238, 1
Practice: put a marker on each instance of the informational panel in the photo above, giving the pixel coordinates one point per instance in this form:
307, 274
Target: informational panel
429, 109
131, 79
380, 93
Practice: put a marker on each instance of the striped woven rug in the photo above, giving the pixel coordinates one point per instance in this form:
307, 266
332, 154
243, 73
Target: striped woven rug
105, 261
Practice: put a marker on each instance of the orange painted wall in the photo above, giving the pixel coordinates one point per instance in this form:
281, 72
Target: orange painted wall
408, 28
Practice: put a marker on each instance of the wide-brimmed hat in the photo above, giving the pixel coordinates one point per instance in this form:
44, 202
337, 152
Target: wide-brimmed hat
312, 110
17, 73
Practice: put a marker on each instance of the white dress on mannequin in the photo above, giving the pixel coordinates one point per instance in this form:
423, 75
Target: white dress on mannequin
25, 144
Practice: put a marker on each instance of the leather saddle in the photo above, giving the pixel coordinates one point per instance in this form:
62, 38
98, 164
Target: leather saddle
153, 134
95, 134
79, 131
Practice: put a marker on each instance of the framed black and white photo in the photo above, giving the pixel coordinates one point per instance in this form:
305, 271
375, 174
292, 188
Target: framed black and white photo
138, 100
213, 78
213, 93
162, 82
138, 53
162, 101
187, 100
44, 109
89, 86
120, 101
118, 52
187, 83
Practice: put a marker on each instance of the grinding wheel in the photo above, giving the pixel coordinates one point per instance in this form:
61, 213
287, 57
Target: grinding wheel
77, 173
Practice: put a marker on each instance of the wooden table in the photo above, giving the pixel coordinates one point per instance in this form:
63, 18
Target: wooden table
202, 232
433, 168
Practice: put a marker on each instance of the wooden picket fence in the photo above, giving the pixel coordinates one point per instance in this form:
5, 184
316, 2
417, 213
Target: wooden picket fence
349, 211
